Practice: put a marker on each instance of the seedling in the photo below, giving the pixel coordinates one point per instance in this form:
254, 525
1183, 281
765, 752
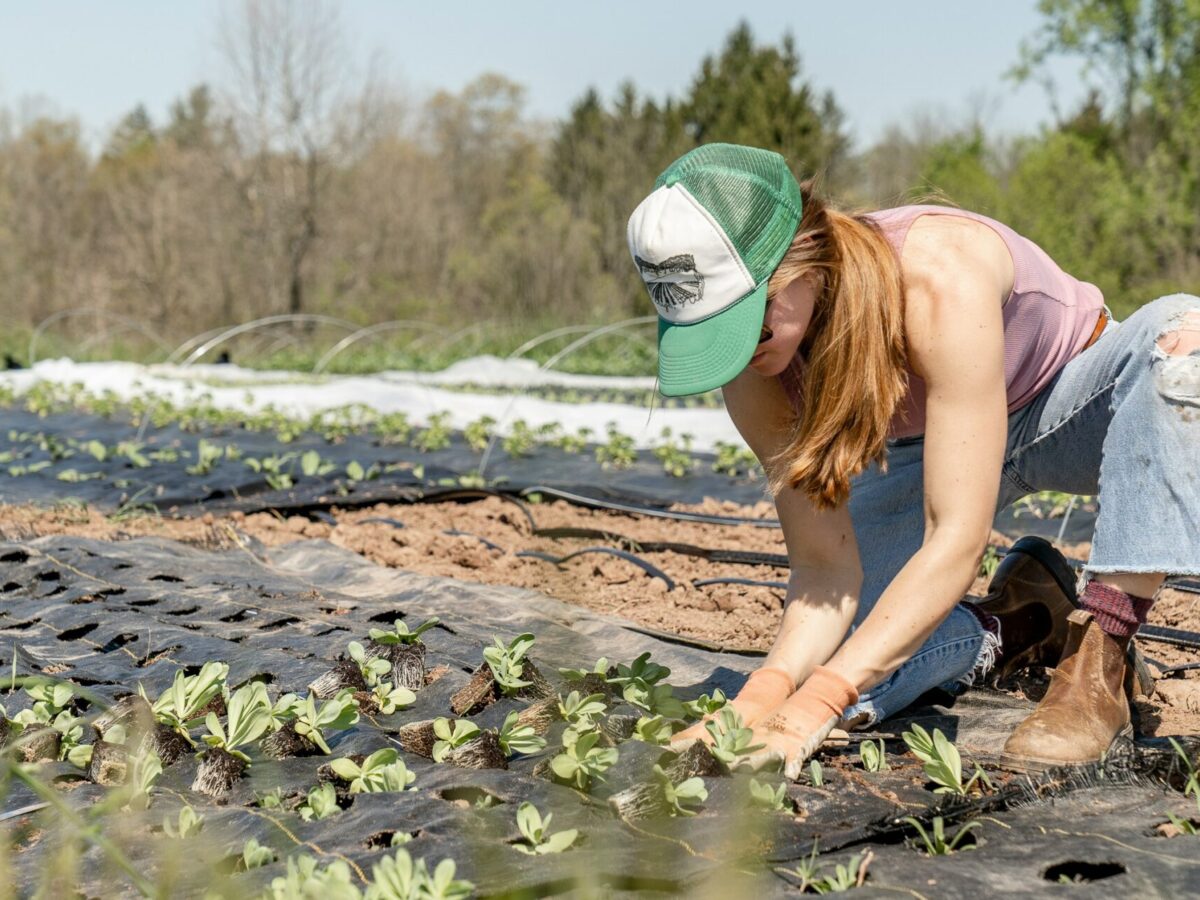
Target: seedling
273, 468
581, 712
601, 669
536, 830
313, 466
618, 452
321, 803
336, 714
844, 877
581, 760
942, 762
451, 735
372, 669
355, 472
400, 878
393, 428
520, 440
383, 771
188, 823
767, 797
255, 855
816, 773
389, 699
989, 562
305, 879
516, 738
248, 718
730, 738
283, 711
208, 454
733, 460
507, 662
478, 433
573, 443
400, 633
683, 796
934, 840
653, 730
272, 799
182, 704
704, 705
873, 756
676, 458
435, 435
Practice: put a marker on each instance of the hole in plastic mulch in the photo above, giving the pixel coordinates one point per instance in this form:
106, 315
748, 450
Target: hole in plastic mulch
1078, 872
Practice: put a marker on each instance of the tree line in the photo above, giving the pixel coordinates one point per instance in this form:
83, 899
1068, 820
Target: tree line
290, 186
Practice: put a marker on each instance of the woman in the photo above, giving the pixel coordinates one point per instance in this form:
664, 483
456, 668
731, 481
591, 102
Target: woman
899, 374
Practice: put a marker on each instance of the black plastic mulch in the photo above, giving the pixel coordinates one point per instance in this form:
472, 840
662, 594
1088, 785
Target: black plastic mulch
111, 615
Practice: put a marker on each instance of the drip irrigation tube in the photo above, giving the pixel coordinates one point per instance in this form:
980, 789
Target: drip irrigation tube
742, 557
649, 568
1175, 636
454, 532
614, 506
748, 582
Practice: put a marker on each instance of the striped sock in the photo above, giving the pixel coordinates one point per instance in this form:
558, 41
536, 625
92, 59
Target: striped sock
1117, 613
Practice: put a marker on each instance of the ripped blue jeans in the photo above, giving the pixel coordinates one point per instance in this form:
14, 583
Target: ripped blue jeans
1120, 421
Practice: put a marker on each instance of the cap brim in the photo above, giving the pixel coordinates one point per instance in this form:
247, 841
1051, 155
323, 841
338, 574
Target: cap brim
705, 355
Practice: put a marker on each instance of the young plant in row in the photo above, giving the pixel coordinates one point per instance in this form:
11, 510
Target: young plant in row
399, 877
451, 735
255, 856
506, 672
730, 739
618, 452
873, 756
184, 705
681, 797
766, 797
304, 735
320, 803
516, 738
814, 879
404, 649
582, 712
676, 458
535, 829
582, 760
305, 878
248, 718
478, 433
381, 772
934, 841
942, 762
705, 705
355, 671
435, 435
187, 823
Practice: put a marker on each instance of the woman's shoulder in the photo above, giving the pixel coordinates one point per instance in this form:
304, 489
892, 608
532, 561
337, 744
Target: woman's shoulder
938, 244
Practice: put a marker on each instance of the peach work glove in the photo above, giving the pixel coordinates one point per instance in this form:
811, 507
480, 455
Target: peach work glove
764, 691
794, 731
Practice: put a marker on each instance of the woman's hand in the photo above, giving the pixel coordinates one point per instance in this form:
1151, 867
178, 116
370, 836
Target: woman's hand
764, 691
798, 727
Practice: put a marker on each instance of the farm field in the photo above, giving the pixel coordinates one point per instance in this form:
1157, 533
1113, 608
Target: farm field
269, 639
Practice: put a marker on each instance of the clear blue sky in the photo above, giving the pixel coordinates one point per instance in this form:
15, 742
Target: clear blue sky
883, 61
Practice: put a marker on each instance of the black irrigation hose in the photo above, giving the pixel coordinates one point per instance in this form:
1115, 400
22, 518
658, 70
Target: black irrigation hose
454, 532
1175, 636
382, 520
478, 494
649, 568
614, 506
742, 557
749, 582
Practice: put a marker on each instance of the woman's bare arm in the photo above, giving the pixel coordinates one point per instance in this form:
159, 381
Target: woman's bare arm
826, 576
955, 278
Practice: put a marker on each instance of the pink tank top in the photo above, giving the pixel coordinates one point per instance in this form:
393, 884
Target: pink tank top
1048, 318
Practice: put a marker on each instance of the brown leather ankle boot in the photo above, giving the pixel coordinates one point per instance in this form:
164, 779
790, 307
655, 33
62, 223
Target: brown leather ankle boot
1085, 709
1031, 594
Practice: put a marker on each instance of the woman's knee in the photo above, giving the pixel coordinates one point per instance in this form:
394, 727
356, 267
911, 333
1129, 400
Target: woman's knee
1175, 352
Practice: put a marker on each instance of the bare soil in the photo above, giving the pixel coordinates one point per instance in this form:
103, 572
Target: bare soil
494, 531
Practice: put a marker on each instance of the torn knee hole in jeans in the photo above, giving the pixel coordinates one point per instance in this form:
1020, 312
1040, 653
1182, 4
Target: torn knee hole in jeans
1177, 351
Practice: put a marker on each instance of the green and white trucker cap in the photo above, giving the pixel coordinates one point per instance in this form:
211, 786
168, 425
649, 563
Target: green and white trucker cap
706, 241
